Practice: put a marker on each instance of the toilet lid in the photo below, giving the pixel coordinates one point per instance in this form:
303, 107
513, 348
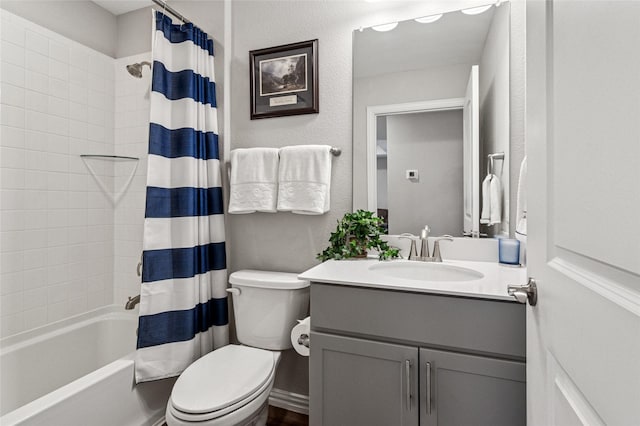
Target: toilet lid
222, 378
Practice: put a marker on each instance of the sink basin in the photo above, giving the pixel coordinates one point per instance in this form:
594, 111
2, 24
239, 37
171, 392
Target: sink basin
425, 271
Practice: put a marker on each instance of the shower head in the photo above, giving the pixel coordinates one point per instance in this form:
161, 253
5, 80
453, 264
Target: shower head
136, 69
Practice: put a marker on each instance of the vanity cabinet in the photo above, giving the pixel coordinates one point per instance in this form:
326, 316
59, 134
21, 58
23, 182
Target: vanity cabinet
384, 357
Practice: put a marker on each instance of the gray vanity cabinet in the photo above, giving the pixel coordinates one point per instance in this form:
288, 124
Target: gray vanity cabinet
471, 390
365, 382
393, 358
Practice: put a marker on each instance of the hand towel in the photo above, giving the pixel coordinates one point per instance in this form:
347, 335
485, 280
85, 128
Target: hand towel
253, 181
491, 201
521, 200
304, 179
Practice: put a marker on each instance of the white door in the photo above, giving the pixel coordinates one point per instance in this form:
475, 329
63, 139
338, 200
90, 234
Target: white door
471, 155
583, 146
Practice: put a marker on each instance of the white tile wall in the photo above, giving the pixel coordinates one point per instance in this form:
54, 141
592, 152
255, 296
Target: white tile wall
56, 224
131, 139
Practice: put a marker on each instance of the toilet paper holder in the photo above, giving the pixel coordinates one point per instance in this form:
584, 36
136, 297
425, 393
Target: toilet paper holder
303, 340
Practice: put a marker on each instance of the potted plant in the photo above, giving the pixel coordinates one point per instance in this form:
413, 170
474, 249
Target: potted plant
355, 234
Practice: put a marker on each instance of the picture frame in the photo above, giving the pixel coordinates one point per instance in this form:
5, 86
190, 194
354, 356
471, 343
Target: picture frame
284, 80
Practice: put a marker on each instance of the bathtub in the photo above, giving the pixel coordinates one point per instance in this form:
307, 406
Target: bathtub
78, 371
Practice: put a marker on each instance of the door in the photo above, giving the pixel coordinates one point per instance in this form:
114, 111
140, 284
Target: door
461, 389
471, 155
583, 147
362, 382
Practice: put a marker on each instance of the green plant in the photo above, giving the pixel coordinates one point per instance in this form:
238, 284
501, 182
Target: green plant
356, 233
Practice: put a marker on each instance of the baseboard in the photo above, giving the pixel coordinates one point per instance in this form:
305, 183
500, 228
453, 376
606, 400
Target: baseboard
289, 401
160, 422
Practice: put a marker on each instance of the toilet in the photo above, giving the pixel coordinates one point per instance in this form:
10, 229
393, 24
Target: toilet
230, 386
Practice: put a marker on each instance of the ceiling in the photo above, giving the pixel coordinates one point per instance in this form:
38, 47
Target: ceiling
118, 7
453, 39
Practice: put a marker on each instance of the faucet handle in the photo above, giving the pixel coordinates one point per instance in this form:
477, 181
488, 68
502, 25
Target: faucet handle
413, 251
436, 248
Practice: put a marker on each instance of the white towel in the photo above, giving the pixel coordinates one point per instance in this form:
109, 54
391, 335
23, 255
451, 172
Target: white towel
521, 200
491, 201
304, 179
254, 180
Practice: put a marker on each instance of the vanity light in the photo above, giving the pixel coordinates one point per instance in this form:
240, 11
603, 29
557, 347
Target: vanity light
385, 27
428, 19
476, 10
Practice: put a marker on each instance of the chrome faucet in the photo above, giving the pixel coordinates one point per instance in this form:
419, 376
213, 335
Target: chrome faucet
437, 257
132, 302
424, 247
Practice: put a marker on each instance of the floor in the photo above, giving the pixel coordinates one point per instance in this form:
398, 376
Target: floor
281, 417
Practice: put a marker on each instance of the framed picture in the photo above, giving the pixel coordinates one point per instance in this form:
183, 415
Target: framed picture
284, 80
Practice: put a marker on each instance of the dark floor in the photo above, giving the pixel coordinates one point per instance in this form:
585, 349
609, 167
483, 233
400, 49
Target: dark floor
281, 417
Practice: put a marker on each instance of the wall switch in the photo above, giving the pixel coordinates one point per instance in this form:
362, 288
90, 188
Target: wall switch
411, 174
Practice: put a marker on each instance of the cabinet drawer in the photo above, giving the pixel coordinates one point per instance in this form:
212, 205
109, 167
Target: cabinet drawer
468, 324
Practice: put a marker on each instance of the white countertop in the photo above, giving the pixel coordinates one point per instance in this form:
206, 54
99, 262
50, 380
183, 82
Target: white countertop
356, 272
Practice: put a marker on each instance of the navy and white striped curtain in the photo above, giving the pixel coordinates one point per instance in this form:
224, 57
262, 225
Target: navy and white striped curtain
183, 304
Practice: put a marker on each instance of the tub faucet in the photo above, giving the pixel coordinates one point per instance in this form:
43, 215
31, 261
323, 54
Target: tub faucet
132, 302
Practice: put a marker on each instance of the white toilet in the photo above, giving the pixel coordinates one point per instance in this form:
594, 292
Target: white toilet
230, 386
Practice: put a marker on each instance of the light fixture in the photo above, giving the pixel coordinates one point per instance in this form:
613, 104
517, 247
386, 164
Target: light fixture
476, 10
428, 19
385, 27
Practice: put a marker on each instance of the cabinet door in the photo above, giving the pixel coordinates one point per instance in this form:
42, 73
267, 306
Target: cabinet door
457, 389
359, 382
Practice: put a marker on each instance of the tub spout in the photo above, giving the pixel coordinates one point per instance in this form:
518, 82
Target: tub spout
132, 302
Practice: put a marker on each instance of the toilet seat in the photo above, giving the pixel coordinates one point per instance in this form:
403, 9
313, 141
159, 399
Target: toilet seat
221, 382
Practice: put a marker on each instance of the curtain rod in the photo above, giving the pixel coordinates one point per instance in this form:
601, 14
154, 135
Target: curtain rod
166, 8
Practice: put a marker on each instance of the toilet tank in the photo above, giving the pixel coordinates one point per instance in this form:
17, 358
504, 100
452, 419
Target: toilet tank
266, 306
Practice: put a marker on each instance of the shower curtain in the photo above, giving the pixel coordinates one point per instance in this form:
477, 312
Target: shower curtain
183, 299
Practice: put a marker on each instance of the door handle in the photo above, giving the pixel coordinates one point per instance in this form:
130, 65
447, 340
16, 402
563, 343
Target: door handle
428, 386
407, 379
522, 293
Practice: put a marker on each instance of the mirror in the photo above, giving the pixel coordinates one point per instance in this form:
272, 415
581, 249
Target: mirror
423, 128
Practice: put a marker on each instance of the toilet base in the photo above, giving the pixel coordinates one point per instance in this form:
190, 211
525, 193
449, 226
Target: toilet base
260, 419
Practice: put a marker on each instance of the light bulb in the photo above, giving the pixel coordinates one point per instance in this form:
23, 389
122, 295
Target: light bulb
385, 27
428, 19
476, 10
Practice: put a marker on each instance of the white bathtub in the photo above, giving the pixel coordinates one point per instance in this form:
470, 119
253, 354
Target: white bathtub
78, 371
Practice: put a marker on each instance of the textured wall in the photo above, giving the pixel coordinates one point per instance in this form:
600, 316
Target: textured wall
430, 142
494, 110
285, 241
419, 85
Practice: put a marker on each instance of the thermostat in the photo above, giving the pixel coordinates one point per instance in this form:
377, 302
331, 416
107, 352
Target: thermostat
411, 174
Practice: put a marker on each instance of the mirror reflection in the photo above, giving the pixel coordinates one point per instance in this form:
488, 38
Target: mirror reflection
431, 103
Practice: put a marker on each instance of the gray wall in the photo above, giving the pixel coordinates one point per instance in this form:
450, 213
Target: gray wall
517, 102
494, 109
96, 28
134, 33
284, 241
419, 85
431, 143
